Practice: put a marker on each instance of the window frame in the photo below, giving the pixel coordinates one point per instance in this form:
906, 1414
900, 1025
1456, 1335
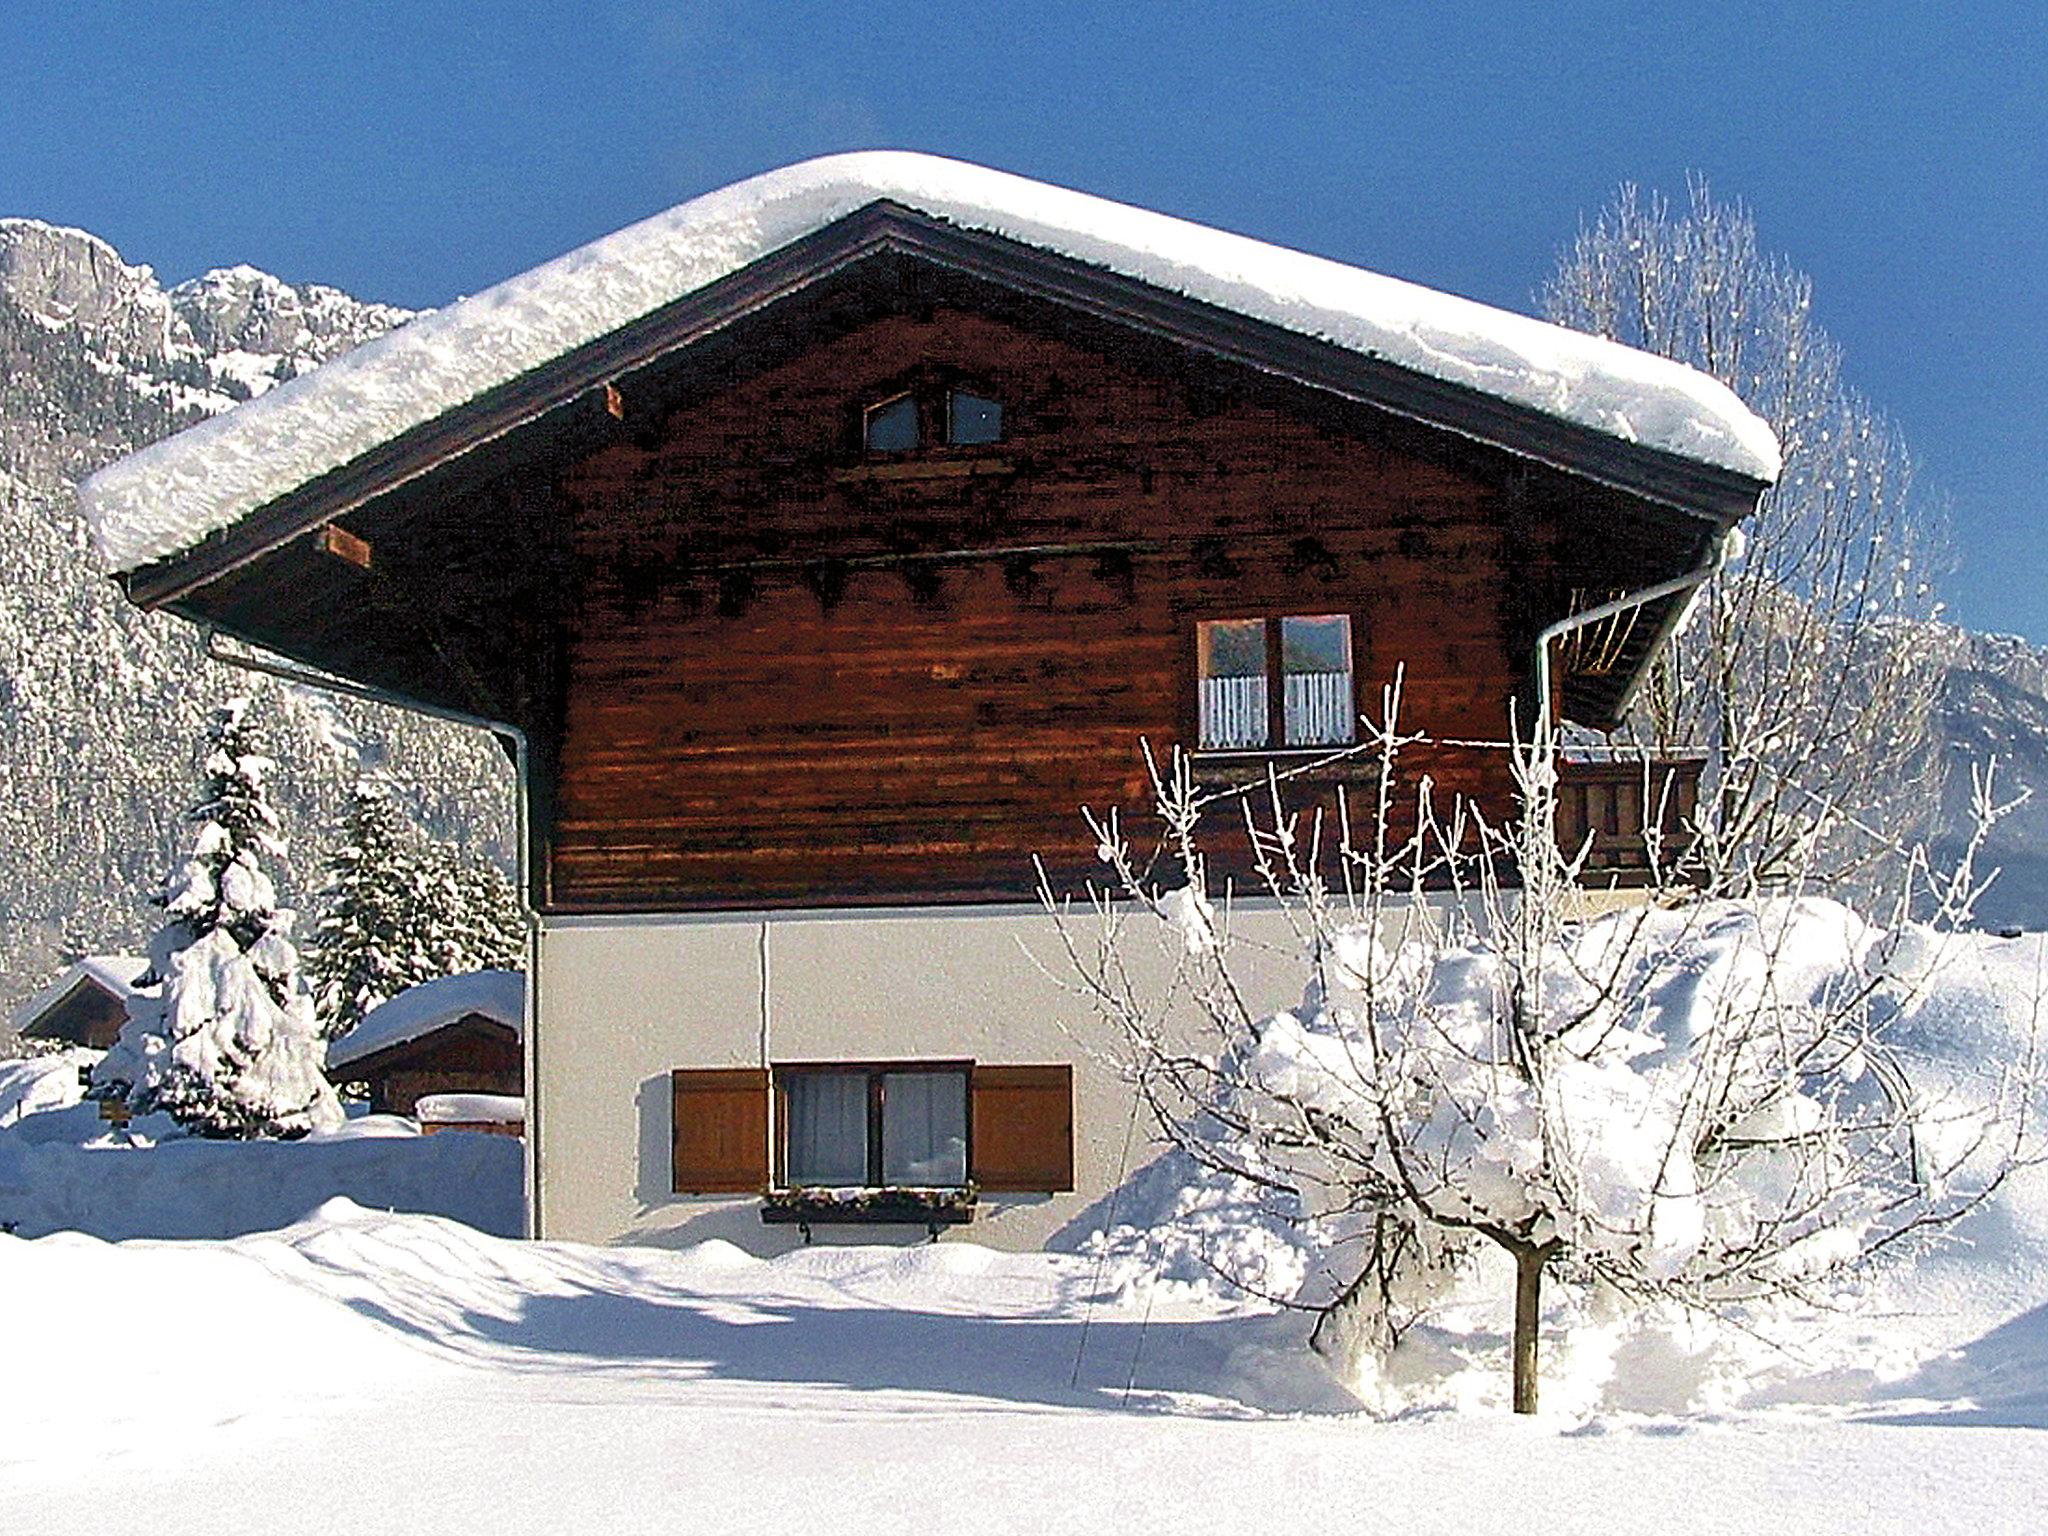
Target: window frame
874, 1071
930, 392
1276, 743
868, 413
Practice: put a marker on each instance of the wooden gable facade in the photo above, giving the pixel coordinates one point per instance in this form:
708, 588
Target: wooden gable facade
759, 665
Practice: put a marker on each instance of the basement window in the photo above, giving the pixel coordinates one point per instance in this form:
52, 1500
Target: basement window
1275, 683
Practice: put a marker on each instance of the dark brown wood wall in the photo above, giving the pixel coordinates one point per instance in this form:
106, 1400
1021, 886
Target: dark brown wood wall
472, 1055
754, 715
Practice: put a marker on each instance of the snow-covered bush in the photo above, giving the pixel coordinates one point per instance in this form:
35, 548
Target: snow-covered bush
227, 1045
1688, 1100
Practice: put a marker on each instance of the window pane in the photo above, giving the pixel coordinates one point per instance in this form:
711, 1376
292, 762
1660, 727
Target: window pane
1321, 644
1234, 648
1233, 683
1315, 662
828, 1129
972, 419
892, 426
924, 1128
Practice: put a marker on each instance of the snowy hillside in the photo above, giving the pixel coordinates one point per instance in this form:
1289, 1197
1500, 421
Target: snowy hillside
101, 708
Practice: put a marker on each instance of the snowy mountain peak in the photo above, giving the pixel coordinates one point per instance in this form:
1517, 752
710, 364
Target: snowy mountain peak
100, 706
63, 277
244, 309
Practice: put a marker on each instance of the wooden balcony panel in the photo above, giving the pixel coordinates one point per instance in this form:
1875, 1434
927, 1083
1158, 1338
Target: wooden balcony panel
1613, 801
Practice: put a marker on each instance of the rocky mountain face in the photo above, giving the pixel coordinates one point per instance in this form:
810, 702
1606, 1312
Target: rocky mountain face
102, 707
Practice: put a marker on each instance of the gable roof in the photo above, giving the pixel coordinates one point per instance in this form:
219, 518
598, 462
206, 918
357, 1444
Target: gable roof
164, 500
418, 1011
117, 975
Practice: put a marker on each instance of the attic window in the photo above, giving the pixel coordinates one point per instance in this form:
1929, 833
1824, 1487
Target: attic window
930, 417
972, 419
892, 426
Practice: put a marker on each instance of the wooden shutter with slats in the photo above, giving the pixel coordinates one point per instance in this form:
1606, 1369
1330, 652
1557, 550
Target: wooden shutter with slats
719, 1129
1024, 1128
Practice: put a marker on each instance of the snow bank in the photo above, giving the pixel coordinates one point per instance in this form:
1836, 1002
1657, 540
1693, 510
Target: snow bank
169, 496
60, 1170
420, 1010
32, 1084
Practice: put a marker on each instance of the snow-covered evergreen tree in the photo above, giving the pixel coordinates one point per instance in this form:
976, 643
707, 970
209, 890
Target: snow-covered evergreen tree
399, 909
484, 926
371, 940
228, 1046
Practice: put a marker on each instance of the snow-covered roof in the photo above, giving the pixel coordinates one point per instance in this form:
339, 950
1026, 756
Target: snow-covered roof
117, 974
432, 1005
470, 1108
169, 496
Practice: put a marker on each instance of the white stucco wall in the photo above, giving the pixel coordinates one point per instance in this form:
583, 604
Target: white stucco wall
622, 1002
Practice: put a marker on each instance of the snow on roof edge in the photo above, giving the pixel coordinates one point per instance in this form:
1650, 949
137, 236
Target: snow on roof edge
420, 1010
165, 498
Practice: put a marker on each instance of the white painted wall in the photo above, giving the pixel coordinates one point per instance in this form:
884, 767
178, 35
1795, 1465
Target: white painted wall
622, 1002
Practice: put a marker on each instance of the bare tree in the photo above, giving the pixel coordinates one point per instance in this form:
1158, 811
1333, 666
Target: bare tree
1687, 1100
1807, 675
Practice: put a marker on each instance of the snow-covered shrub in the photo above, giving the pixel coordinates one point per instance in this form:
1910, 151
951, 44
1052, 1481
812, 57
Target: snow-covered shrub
227, 1045
1701, 1102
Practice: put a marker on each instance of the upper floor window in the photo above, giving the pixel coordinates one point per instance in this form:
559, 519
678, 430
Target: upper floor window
1274, 683
958, 418
972, 418
892, 426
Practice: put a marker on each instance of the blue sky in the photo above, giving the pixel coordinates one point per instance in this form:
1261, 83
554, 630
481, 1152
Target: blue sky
416, 151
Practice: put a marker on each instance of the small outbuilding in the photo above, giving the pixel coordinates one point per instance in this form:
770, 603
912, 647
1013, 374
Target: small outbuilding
87, 1004
458, 1035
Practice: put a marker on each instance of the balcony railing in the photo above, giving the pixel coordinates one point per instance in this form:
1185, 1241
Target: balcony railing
1615, 802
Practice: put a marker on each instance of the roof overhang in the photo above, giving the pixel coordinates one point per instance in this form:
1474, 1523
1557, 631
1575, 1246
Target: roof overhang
1714, 497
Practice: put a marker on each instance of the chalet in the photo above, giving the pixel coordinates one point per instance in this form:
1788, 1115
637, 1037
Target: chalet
821, 546
454, 1035
87, 1004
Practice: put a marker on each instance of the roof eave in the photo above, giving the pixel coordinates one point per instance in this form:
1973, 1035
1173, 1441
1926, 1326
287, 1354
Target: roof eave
1719, 496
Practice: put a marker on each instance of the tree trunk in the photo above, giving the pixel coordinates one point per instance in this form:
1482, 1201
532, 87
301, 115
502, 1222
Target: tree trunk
1529, 1262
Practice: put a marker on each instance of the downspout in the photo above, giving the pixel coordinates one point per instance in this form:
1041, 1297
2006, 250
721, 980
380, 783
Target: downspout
309, 677
1691, 581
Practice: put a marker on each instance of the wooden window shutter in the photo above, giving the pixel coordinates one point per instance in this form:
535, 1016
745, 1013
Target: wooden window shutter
719, 1127
1024, 1128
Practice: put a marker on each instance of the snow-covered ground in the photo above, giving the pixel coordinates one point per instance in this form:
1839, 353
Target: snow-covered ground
361, 1371
357, 1369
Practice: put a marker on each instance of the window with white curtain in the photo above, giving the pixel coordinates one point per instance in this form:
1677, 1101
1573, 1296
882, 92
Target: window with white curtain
1275, 682
898, 1125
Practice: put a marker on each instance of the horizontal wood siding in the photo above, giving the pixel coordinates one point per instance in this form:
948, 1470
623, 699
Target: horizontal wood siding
794, 678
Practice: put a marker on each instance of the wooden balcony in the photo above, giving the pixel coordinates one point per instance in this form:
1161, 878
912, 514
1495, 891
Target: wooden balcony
1615, 801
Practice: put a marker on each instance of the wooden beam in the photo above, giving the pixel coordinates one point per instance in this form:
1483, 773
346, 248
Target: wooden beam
343, 545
